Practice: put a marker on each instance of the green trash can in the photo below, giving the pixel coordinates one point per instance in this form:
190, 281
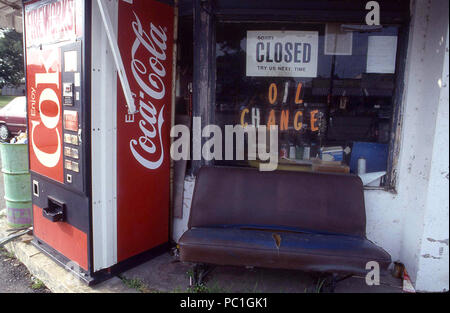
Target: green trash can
17, 183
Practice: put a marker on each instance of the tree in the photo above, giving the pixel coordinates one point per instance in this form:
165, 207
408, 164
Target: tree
11, 58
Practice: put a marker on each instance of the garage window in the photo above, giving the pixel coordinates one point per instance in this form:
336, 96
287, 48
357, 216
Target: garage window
329, 87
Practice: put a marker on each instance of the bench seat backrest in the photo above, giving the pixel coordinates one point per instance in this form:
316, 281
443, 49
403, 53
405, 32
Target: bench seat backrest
329, 203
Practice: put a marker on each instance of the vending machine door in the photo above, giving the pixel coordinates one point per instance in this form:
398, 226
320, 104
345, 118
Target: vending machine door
131, 153
55, 48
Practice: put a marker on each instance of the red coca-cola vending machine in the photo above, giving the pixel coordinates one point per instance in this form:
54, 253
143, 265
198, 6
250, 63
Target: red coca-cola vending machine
99, 84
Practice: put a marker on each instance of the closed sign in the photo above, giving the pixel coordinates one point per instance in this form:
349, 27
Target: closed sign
282, 53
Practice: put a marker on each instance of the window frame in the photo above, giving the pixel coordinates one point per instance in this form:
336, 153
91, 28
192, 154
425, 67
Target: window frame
207, 14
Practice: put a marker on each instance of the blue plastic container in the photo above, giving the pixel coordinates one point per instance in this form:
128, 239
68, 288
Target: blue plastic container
376, 155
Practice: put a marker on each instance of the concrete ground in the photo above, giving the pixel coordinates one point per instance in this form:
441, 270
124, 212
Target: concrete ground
166, 274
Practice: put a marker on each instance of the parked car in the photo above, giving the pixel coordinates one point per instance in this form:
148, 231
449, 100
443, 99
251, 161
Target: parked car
13, 118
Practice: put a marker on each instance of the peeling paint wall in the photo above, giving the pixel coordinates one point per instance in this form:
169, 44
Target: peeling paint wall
412, 225
180, 225
433, 272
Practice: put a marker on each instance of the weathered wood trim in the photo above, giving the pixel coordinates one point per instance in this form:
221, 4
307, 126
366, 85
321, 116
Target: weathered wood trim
204, 85
398, 106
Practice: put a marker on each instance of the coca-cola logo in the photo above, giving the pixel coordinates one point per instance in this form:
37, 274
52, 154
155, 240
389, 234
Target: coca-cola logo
148, 74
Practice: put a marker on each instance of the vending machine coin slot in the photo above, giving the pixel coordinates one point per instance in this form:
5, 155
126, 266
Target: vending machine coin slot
35, 188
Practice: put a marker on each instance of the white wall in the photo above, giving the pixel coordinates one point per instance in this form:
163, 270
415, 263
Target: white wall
180, 225
412, 225
434, 261
384, 215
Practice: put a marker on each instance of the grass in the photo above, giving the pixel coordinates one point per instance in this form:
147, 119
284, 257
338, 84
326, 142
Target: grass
319, 288
4, 100
136, 284
202, 288
37, 284
139, 285
215, 288
6, 253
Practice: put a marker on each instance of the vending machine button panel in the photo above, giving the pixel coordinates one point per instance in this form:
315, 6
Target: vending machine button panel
74, 153
73, 114
71, 139
75, 167
68, 101
68, 165
71, 153
68, 91
71, 120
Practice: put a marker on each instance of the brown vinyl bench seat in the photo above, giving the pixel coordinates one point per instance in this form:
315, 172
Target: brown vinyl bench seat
290, 220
